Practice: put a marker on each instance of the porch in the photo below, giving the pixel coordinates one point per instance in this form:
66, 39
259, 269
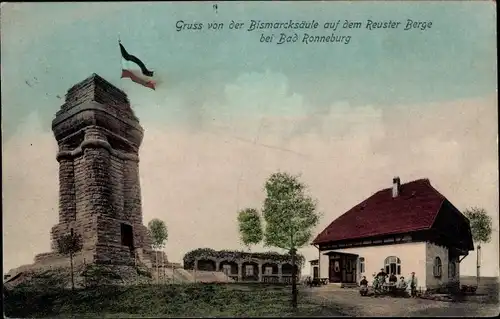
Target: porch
342, 269
249, 270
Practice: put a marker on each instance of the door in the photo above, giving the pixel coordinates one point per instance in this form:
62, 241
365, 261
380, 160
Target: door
349, 269
316, 272
335, 270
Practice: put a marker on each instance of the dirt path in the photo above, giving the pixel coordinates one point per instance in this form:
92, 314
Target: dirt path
351, 303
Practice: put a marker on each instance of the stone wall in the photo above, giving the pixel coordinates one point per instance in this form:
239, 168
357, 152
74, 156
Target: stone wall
99, 90
85, 227
117, 185
99, 138
80, 188
67, 200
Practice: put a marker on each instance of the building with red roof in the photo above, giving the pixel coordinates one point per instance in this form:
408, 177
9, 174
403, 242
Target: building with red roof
405, 228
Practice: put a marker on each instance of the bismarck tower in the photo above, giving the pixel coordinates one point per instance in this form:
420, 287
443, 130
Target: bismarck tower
99, 190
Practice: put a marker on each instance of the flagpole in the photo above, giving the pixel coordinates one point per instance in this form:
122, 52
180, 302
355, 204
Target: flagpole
121, 66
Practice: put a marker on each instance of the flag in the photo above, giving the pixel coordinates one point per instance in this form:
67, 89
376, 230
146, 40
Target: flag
134, 69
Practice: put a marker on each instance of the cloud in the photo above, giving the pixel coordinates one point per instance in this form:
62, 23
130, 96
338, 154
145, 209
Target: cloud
253, 97
197, 180
30, 190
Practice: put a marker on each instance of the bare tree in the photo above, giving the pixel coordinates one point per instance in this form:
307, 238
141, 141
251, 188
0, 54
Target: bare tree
481, 228
69, 244
159, 235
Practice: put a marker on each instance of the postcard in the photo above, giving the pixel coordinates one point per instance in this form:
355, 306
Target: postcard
248, 159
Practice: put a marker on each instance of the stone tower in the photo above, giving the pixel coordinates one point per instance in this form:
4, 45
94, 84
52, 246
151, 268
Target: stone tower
99, 191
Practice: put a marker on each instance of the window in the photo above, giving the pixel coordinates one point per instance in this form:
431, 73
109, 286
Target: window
249, 270
452, 271
362, 264
437, 269
226, 269
268, 270
336, 266
392, 265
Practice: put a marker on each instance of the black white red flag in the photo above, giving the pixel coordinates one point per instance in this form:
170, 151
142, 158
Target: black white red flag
133, 68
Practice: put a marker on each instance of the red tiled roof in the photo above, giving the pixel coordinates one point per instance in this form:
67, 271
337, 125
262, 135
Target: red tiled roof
414, 209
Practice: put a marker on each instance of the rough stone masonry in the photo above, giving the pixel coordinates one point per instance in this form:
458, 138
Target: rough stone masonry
99, 191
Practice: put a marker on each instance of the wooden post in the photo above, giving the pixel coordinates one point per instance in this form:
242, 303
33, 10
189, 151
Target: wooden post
319, 263
240, 271
72, 277
260, 271
478, 264
280, 272
84, 269
293, 252
173, 273
195, 268
163, 267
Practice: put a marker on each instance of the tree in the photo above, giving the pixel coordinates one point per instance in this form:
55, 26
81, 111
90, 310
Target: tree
159, 235
481, 228
250, 227
69, 244
290, 216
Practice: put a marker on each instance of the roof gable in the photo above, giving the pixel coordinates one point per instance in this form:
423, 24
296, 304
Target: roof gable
451, 223
415, 208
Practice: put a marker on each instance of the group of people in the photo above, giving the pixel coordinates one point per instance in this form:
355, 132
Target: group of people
383, 278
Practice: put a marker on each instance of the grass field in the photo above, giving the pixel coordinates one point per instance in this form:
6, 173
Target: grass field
228, 300
193, 300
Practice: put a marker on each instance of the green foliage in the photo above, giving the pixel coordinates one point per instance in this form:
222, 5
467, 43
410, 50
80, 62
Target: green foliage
480, 224
69, 243
158, 232
235, 255
56, 278
250, 226
290, 214
99, 275
143, 271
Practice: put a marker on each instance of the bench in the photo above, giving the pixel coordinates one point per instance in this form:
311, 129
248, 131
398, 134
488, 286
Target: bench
468, 289
316, 282
399, 292
392, 290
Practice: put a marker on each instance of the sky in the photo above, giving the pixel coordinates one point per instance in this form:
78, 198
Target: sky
230, 110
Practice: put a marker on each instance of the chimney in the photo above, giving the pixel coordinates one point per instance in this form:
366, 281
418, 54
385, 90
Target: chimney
396, 185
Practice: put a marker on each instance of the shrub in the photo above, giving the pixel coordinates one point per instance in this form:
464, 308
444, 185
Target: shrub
96, 275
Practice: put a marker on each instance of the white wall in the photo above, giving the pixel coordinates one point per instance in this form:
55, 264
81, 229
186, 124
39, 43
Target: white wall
433, 251
311, 270
412, 256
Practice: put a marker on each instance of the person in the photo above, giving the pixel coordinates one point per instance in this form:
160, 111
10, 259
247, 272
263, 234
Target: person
381, 273
401, 287
374, 284
363, 286
363, 281
392, 278
401, 283
412, 285
381, 278
308, 281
